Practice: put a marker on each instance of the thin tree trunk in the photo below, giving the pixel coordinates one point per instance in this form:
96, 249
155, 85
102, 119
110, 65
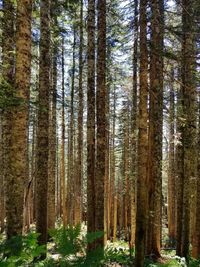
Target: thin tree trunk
52, 144
171, 170
78, 186
70, 182
62, 168
91, 120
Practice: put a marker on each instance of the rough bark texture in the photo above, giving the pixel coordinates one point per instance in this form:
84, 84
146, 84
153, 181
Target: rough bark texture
71, 169
189, 114
52, 143
196, 238
142, 185
62, 167
43, 123
101, 120
155, 130
78, 185
133, 173
91, 120
7, 85
18, 175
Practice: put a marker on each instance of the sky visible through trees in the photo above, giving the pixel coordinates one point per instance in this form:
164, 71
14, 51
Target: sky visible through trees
99, 133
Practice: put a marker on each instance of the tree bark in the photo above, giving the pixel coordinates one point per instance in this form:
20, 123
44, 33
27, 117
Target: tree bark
142, 183
101, 121
42, 149
91, 120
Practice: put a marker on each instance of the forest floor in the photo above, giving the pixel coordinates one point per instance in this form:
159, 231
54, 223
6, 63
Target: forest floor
67, 247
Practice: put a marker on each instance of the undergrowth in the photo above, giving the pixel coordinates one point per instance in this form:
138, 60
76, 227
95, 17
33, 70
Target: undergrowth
68, 248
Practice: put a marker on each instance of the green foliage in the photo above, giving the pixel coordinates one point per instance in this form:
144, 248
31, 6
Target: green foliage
194, 263
20, 251
7, 95
169, 263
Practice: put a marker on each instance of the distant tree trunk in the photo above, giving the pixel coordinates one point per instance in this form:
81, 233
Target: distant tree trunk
133, 141
15, 185
179, 153
101, 121
113, 194
188, 133
78, 185
52, 143
171, 169
107, 164
142, 183
155, 130
126, 190
91, 120
62, 168
71, 169
42, 149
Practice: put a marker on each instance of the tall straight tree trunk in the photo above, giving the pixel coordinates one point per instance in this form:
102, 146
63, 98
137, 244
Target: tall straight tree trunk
171, 169
189, 97
7, 85
52, 143
101, 121
155, 130
196, 237
78, 185
62, 168
71, 169
179, 154
91, 120
42, 149
18, 175
142, 182
133, 152
113, 195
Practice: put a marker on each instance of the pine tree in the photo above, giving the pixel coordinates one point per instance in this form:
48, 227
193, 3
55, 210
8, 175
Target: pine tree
42, 148
142, 183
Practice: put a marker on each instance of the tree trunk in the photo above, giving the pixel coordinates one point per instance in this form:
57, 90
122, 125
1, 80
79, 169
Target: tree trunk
52, 143
78, 185
91, 120
171, 169
71, 169
18, 176
189, 98
62, 168
42, 149
101, 121
155, 130
142, 183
